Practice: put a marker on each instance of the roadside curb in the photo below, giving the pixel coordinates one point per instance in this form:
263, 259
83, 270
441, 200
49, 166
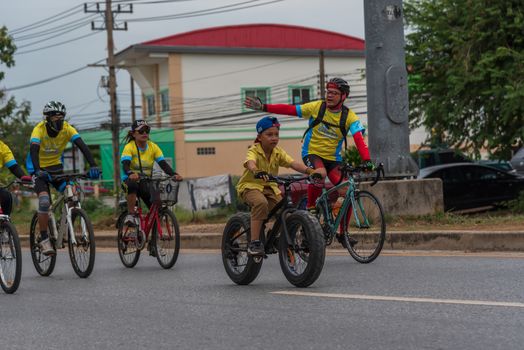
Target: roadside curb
511, 241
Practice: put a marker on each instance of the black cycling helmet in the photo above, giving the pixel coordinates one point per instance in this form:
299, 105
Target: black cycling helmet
53, 108
339, 83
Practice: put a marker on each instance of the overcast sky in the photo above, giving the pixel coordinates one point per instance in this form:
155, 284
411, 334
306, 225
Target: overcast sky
80, 92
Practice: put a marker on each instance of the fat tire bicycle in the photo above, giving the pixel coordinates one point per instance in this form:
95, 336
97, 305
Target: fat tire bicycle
10, 250
74, 228
164, 243
360, 218
296, 235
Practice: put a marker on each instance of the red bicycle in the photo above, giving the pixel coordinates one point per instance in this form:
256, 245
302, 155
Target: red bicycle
164, 242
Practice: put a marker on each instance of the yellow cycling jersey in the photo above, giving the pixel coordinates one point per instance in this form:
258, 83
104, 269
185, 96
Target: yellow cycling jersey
6, 156
148, 156
326, 140
52, 148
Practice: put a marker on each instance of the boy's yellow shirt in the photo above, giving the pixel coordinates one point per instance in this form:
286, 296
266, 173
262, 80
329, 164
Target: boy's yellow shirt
279, 158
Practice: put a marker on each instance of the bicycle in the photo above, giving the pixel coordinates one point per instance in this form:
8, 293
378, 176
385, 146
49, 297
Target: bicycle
165, 240
10, 250
296, 235
360, 210
74, 227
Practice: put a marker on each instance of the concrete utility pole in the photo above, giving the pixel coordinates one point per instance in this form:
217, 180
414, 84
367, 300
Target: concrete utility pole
109, 26
133, 111
322, 81
387, 87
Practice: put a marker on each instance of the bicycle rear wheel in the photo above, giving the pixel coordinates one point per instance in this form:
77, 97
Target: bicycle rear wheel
127, 242
82, 253
167, 245
44, 264
240, 266
302, 258
10, 258
366, 232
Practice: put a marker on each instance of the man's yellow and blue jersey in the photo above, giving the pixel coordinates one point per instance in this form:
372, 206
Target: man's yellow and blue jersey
148, 156
51, 148
6, 156
326, 140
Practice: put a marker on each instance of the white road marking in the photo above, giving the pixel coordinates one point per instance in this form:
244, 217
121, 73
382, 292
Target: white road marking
401, 299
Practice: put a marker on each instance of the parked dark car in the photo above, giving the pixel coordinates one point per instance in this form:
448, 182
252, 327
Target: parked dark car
518, 161
468, 185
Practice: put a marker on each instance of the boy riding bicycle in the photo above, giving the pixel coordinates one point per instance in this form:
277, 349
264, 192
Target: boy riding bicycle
138, 157
48, 141
263, 159
329, 123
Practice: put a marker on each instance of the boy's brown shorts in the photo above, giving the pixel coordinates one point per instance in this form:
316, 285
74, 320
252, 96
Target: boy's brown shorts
261, 203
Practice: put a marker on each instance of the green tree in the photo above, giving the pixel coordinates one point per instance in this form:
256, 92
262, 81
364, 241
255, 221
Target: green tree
15, 130
467, 80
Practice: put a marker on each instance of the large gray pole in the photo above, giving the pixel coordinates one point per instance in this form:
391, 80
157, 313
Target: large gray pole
387, 89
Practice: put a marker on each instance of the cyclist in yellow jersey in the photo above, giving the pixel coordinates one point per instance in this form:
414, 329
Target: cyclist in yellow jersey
48, 142
138, 157
8, 160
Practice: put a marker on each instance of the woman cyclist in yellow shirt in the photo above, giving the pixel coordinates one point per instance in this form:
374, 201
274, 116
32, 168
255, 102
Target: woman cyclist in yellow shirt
139, 156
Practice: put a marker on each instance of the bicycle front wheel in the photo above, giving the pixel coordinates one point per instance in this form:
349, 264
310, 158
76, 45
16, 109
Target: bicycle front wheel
44, 264
167, 243
10, 258
364, 228
302, 256
82, 253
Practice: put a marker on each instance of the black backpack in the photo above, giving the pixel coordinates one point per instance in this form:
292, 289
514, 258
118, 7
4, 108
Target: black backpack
320, 117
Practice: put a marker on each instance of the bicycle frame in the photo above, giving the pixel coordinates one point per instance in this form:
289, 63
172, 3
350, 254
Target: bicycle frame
146, 223
323, 200
70, 201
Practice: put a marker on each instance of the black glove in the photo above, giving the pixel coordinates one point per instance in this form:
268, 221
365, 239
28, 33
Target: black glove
262, 175
315, 177
43, 175
369, 165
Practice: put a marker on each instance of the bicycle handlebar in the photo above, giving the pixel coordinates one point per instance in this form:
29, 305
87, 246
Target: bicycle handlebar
143, 177
349, 169
18, 181
70, 176
284, 180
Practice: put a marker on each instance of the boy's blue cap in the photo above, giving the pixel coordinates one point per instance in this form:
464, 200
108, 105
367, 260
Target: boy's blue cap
266, 123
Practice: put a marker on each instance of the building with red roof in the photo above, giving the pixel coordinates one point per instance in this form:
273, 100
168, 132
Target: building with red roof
195, 82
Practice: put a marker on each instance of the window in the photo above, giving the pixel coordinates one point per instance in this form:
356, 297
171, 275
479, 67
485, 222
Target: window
262, 93
300, 94
150, 100
164, 99
204, 151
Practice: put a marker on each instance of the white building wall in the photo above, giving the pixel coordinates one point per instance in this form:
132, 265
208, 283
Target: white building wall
212, 86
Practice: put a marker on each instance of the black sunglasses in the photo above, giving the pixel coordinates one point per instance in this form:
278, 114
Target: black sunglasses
144, 131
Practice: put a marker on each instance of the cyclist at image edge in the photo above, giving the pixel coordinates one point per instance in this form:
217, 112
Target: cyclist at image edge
263, 159
48, 142
139, 156
322, 143
8, 160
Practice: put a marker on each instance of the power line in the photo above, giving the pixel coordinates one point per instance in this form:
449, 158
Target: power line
47, 80
47, 19
57, 44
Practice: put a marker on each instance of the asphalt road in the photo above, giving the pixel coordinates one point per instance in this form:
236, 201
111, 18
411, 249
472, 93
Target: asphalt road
397, 302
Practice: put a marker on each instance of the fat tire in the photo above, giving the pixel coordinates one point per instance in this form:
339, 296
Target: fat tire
240, 222
314, 238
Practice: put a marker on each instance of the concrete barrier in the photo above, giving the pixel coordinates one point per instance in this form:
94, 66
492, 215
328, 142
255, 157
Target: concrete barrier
408, 197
